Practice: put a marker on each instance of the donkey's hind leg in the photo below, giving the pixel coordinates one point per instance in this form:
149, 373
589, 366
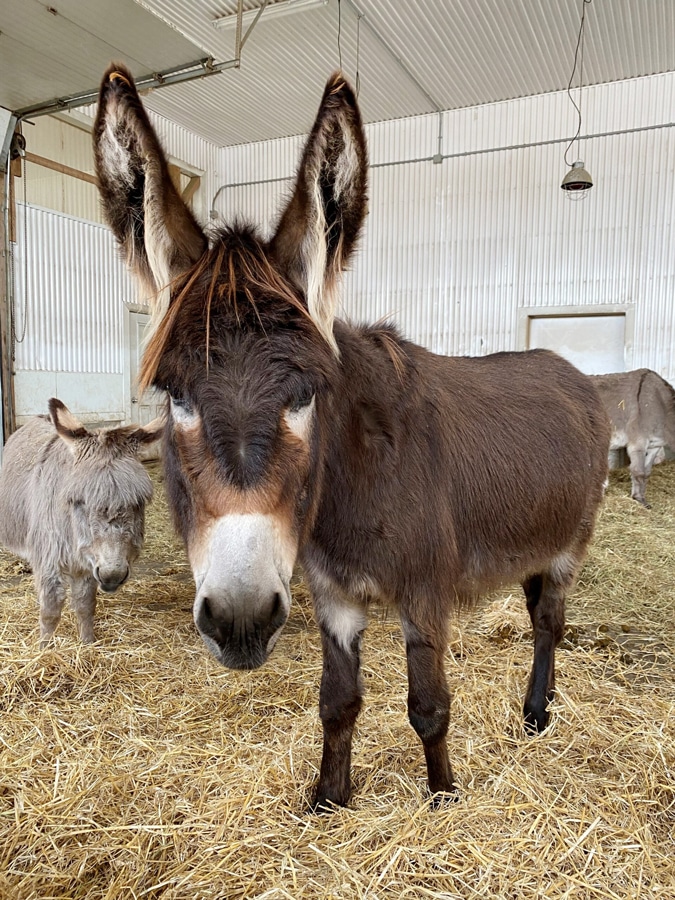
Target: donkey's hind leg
639, 471
545, 593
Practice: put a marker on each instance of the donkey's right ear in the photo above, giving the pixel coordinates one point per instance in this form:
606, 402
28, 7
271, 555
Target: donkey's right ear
68, 428
157, 232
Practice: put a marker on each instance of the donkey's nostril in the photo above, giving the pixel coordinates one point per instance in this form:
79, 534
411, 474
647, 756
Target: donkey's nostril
208, 621
276, 605
278, 614
207, 612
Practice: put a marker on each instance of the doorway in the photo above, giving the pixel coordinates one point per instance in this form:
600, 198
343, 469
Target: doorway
149, 405
596, 339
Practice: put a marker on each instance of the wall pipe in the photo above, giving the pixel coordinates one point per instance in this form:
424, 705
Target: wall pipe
459, 155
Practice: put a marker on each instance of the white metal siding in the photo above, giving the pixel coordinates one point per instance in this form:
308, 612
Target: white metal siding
77, 287
465, 52
453, 252
457, 54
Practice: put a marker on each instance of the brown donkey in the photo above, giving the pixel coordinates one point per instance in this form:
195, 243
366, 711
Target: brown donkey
389, 472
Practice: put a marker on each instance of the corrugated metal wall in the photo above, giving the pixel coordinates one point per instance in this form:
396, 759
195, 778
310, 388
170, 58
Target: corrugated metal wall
70, 285
57, 140
68, 313
455, 252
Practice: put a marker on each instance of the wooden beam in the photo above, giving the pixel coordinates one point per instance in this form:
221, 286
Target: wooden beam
6, 349
11, 208
174, 172
60, 167
191, 187
14, 172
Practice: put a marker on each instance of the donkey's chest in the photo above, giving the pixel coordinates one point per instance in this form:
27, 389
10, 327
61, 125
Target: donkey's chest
350, 575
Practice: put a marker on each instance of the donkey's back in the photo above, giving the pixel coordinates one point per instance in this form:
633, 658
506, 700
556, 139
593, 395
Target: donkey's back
24, 451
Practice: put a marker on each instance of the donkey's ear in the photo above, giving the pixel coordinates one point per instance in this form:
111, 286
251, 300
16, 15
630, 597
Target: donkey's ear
147, 434
320, 226
128, 438
157, 232
69, 429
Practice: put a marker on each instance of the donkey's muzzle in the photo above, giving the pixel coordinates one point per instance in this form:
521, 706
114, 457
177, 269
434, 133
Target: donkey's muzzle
111, 579
240, 642
243, 594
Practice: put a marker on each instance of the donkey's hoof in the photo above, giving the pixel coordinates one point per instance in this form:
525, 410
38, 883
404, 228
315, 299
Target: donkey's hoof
536, 719
441, 799
327, 800
324, 806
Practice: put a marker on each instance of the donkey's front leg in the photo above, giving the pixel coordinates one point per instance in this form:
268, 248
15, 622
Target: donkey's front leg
429, 700
83, 601
51, 596
340, 698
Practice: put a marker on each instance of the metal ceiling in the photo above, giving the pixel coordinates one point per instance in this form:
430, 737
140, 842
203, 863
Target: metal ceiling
59, 48
414, 56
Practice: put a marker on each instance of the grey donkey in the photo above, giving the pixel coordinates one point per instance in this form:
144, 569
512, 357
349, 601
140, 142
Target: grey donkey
641, 406
72, 503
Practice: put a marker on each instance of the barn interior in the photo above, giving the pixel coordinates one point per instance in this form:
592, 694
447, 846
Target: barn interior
137, 766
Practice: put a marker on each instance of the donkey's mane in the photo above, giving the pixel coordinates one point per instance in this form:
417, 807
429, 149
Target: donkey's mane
236, 270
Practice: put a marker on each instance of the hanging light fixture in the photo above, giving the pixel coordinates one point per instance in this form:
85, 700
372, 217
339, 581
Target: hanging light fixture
577, 182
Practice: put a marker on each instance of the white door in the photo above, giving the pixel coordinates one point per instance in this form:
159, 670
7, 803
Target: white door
595, 344
147, 407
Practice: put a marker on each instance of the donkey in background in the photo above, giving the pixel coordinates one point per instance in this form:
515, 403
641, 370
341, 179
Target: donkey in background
72, 503
641, 406
388, 471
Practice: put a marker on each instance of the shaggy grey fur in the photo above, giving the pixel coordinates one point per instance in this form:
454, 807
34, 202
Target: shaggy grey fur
72, 503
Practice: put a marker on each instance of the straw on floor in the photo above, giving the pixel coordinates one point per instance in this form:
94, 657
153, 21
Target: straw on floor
138, 768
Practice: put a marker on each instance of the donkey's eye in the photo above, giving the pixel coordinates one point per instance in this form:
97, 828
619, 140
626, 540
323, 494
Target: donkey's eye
301, 400
300, 414
181, 402
182, 411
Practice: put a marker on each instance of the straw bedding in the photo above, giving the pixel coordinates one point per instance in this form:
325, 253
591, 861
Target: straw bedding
139, 768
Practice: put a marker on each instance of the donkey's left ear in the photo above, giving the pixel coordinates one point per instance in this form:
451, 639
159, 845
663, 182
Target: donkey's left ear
157, 232
319, 228
147, 434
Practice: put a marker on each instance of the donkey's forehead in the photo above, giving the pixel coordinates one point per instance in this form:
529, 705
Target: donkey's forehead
234, 300
112, 484
247, 364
